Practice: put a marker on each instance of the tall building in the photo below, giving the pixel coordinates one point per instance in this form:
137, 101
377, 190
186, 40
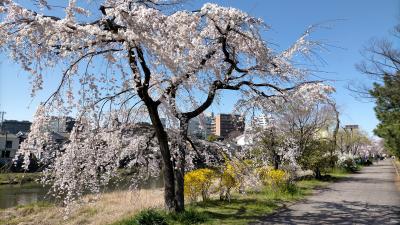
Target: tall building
225, 124
15, 126
262, 121
201, 126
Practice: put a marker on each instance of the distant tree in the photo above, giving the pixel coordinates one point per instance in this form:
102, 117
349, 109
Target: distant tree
352, 141
387, 109
273, 144
309, 125
382, 63
212, 138
316, 157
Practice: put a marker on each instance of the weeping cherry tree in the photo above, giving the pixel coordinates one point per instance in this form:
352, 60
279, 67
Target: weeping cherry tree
122, 62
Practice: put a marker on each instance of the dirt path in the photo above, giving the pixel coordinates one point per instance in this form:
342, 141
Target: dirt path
368, 197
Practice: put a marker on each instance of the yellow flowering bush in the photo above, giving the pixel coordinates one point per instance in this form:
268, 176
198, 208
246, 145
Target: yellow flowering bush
272, 177
233, 175
198, 182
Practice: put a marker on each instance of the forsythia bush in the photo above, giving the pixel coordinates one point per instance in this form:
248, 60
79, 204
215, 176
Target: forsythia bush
233, 175
273, 178
198, 182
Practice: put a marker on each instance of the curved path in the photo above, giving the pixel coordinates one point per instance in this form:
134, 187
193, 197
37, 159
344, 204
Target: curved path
368, 197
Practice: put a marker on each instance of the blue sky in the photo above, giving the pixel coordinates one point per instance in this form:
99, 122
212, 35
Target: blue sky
354, 23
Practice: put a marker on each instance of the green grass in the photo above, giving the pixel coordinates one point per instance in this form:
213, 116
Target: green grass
242, 209
253, 206
18, 178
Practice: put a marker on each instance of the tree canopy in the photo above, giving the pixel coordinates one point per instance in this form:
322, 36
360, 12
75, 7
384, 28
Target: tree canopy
382, 63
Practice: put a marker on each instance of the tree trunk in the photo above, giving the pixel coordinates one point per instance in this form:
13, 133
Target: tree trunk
335, 133
317, 173
180, 166
276, 161
168, 169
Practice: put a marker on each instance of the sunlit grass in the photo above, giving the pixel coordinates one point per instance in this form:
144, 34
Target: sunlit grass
108, 208
242, 209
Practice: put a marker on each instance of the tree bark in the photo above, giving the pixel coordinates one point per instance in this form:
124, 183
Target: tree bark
168, 169
180, 166
317, 173
276, 161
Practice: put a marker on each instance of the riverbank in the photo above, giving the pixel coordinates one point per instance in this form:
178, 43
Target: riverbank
243, 208
108, 208
119, 207
19, 178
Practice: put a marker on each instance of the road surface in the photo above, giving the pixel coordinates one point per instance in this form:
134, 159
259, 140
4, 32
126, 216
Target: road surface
368, 197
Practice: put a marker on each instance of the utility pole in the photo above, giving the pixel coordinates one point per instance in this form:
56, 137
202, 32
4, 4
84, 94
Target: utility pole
2, 120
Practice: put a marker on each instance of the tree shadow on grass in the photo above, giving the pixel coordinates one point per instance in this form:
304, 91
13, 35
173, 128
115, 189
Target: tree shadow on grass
238, 209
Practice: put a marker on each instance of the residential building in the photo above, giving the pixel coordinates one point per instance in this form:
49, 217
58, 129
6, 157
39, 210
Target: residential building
262, 121
61, 124
15, 126
351, 128
200, 126
9, 144
225, 124
244, 139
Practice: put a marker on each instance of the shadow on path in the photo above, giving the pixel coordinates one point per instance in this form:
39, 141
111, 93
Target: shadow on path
338, 213
367, 197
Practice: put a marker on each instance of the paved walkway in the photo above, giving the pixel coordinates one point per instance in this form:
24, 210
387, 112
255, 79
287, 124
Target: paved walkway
368, 197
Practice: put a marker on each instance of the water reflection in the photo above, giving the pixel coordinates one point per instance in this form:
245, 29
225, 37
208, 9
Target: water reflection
13, 195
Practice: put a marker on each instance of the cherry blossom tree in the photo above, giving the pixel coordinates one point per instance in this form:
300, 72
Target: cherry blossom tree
125, 62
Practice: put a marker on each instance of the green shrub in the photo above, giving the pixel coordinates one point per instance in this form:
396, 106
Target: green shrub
291, 189
146, 217
349, 164
188, 217
151, 217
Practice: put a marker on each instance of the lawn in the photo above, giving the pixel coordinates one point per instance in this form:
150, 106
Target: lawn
242, 209
253, 206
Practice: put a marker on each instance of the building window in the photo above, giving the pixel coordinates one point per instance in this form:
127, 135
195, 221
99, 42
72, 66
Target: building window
8, 144
5, 154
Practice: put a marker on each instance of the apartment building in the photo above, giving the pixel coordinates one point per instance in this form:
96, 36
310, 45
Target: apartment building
224, 124
9, 144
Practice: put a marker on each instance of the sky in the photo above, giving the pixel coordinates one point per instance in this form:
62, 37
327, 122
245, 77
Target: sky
352, 24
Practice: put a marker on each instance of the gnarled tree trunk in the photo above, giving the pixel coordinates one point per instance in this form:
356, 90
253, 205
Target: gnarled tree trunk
168, 169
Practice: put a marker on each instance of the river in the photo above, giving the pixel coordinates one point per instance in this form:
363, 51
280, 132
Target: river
16, 194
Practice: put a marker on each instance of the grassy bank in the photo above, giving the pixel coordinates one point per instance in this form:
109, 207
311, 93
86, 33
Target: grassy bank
242, 209
123, 207
253, 206
18, 178
108, 208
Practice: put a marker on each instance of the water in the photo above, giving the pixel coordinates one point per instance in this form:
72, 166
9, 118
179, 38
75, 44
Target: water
13, 195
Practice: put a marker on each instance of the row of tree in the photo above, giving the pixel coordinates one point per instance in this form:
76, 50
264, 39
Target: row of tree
310, 137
